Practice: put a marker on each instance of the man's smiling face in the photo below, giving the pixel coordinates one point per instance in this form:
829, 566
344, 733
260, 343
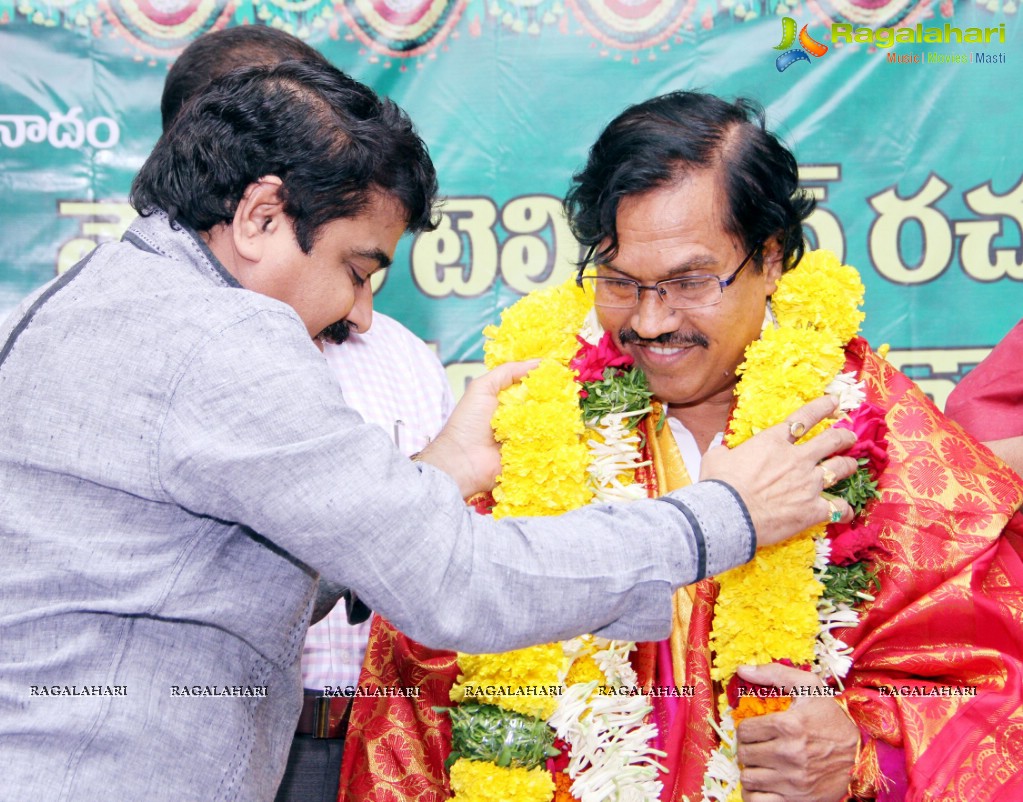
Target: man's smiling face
690, 355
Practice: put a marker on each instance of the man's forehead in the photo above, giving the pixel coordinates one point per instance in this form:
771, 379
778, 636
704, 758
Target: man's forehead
696, 201
673, 230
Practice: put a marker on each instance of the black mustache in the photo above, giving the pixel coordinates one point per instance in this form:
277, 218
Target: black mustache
336, 332
668, 339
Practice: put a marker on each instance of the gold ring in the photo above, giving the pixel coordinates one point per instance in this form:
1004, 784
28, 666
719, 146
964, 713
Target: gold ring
829, 476
797, 429
835, 516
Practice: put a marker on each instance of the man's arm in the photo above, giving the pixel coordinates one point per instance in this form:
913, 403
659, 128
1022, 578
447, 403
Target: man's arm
774, 478
258, 434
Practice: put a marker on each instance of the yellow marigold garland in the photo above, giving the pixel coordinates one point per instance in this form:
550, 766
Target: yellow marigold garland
767, 609
478, 781
777, 378
826, 296
544, 324
537, 421
546, 450
514, 676
584, 669
543, 454
817, 309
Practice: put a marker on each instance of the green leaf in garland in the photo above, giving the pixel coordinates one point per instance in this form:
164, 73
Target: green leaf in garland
851, 584
857, 489
495, 735
619, 391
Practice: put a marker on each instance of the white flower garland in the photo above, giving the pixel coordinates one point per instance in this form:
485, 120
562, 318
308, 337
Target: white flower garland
610, 735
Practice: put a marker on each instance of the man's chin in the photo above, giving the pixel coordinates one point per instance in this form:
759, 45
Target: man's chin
691, 389
669, 381
336, 333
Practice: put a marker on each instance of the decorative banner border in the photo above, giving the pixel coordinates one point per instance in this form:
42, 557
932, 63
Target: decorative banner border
401, 28
632, 24
165, 28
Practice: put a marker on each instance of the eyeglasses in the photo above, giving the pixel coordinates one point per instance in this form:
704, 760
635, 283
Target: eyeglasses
689, 292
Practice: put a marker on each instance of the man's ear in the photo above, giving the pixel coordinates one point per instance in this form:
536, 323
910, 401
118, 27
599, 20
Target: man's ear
773, 256
260, 212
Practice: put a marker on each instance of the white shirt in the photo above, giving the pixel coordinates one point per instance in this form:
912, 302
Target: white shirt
393, 379
686, 443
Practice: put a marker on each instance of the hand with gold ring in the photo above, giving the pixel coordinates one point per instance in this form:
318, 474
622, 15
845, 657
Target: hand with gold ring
828, 476
834, 514
780, 480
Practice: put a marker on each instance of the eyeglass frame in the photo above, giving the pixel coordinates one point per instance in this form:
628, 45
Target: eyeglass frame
656, 286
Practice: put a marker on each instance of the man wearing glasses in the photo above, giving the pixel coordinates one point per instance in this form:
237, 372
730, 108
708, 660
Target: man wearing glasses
691, 211
695, 361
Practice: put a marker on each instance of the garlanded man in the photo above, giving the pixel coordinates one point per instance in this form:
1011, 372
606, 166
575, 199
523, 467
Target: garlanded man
878, 658
687, 185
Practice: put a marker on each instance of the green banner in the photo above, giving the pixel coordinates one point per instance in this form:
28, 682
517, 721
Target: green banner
901, 115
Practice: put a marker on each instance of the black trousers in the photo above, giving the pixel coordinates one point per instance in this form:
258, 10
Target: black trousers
314, 770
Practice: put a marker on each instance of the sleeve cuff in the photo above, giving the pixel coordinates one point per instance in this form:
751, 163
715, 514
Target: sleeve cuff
719, 523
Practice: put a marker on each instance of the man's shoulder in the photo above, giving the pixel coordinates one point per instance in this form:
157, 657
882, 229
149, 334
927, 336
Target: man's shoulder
128, 301
177, 286
922, 442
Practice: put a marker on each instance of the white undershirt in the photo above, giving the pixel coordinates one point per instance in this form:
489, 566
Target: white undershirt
686, 443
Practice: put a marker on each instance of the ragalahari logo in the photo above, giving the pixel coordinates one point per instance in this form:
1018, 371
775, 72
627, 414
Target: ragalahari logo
810, 46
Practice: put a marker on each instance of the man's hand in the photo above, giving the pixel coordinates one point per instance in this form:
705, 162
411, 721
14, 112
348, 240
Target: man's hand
465, 449
781, 483
804, 754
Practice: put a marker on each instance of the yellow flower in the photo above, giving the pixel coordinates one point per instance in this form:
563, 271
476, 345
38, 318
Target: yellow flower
777, 378
544, 404
477, 781
585, 669
534, 482
767, 609
823, 294
543, 454
542, 324
530, 669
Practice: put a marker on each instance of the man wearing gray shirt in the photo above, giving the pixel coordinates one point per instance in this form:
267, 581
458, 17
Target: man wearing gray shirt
178, 469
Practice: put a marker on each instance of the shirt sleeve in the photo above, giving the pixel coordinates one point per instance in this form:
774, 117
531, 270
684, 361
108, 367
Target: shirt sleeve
256, 433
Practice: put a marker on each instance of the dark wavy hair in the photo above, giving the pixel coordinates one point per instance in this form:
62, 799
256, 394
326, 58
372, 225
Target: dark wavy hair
219, 52
658, 141
330, 139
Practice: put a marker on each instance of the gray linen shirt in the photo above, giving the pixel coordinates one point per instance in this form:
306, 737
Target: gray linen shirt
178, 467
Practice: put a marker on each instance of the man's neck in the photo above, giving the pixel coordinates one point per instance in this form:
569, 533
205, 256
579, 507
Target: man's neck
704, 420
